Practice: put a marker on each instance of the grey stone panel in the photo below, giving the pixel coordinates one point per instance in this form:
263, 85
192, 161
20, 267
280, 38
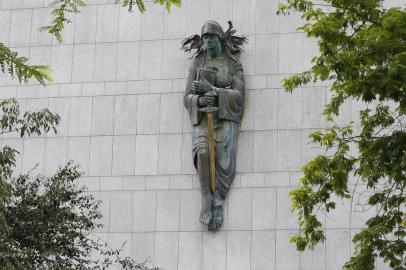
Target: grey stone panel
107, 23
166, 250
171, 113
190, 250
266, 54
20, 27
125, 115
170, 153
124, 155
61, 62
264, 203
290, 109
79, 152
152, 22
337, 240
287, 257
263, 250
220, 11
143, 247
55, 154
103, 115
5, 20
266, 109
190, 204
120, 211
245, 152
34, 154
121, 241
174, 23
110, 183
285, 219
105, 62
173, 62
129, 26
146, 156
144, 211
238, 250
83, 63
40, 17
290, 53
167, 216
239, 209
100, 156
314, 259
148, 114
80, 116
214, 251
128, 61
289, 150
267, 21
197, 14
32, 3
244, 16
265, 151
85, 25
150, 59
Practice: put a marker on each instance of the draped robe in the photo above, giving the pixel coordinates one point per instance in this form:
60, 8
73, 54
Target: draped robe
230, 81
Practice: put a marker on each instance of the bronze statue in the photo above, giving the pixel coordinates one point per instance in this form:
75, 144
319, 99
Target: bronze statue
214, 98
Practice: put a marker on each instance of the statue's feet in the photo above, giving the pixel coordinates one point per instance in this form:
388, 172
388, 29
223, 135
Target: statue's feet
217, 218
205, 213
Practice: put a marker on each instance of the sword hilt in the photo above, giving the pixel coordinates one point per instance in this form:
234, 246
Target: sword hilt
208, 109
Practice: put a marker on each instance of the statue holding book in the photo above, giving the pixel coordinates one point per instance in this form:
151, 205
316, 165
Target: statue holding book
214, 98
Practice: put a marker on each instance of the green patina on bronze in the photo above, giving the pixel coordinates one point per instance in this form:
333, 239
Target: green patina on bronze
214, 96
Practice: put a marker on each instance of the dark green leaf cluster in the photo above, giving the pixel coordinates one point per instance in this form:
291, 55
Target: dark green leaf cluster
47, 222
50, 221
29, 123
363, 53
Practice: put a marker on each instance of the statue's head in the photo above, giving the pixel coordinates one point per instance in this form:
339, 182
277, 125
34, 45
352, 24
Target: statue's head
213, 39
211, 33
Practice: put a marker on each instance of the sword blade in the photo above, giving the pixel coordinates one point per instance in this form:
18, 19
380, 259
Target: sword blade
210, 129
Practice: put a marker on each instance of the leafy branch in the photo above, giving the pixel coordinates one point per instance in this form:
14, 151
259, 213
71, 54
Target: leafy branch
18, 67
362, 51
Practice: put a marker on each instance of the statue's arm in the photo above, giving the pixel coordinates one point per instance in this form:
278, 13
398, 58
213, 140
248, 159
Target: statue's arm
231, 100
190, 100
188, 91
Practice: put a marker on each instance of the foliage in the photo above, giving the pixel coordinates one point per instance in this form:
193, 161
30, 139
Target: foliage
51, 220
363, 52
46, 222
17, 66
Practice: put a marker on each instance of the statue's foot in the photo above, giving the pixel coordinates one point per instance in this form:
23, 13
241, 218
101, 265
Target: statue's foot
205, 213
217, 218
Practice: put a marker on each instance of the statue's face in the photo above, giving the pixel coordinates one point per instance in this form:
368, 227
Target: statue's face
211, 41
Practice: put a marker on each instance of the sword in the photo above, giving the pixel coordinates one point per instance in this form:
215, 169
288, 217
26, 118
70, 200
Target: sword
210, 130
212, 158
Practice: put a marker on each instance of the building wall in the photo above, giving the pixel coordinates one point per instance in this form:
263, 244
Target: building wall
119, 82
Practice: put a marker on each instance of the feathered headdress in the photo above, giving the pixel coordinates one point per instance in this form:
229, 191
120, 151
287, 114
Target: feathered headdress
229, 40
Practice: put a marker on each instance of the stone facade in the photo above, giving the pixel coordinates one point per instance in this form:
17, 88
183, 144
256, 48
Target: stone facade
119, 82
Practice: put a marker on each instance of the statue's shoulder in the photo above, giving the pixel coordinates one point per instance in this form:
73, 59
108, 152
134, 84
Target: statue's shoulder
235, 64
197, 62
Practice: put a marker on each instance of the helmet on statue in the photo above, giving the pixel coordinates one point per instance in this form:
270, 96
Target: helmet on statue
212, 27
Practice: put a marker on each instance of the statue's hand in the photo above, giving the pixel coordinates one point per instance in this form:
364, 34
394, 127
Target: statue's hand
202, 87
210, 98
201, 101
207, 100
